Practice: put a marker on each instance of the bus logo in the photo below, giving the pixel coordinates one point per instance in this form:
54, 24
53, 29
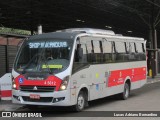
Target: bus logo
35, 88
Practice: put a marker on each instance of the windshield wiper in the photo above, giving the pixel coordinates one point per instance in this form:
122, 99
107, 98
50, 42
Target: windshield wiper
42, 56
23, 72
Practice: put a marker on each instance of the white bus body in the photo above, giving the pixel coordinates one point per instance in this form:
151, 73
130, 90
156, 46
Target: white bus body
98, 63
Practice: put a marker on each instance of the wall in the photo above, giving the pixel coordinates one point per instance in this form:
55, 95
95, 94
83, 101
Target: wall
7, 53
11, 40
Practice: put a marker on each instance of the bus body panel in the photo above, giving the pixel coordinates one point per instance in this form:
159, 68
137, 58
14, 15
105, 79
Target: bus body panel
101, 80
102, 85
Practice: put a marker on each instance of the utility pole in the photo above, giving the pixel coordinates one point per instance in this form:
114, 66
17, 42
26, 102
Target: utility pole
31, 17
153, 38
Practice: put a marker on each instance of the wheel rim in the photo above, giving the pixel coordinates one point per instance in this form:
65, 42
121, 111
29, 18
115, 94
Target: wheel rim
126, 92
80, 102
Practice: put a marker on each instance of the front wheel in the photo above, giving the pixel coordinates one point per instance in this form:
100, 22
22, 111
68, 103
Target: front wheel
80, 102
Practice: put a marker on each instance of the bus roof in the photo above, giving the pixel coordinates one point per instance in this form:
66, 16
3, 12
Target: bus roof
89, 31
58, 35
72, 33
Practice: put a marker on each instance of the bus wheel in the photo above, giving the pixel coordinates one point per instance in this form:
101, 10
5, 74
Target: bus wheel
80, 102
126, 92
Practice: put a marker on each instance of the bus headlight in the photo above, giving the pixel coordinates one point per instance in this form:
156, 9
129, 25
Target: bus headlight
63, 87
14, 84
64, 83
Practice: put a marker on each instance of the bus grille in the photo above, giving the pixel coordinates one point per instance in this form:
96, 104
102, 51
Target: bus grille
37, 88
42, 99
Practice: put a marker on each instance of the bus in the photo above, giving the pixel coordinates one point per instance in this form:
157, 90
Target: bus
71, 67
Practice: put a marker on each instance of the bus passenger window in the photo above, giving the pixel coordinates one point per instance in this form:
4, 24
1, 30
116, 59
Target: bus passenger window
81, 54
107, 51
139, 47
121, 51
127, 44
90, 51
132, 48
80, 58
140, 55
97, 51
132, 52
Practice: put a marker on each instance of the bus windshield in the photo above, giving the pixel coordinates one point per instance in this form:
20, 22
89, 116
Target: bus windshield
44, 56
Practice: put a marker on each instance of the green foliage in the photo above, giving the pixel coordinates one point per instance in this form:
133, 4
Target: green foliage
14, 31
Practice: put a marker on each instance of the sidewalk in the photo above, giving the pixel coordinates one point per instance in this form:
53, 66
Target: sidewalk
6, 105
152, 80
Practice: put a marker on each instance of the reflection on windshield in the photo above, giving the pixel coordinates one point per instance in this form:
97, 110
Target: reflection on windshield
44, 56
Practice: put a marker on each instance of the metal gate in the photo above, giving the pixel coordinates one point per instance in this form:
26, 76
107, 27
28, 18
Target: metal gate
12, 50
2, 60
7, 56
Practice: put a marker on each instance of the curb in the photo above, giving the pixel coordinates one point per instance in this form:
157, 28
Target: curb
152, 81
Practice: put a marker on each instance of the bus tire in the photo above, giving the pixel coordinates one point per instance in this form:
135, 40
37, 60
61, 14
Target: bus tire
80, 102
126, 92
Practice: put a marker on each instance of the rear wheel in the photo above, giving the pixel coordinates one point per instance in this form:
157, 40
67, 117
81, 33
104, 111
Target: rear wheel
126, 92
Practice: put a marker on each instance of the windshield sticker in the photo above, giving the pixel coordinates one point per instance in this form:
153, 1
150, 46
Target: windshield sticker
52, 66
47, 44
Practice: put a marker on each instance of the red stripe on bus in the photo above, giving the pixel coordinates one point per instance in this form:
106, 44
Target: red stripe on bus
6, 93
118, 77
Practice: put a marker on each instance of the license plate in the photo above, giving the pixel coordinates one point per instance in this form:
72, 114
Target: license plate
34, 96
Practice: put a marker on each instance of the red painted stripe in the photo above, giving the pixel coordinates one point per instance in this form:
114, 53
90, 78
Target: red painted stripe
6, 93
118, 77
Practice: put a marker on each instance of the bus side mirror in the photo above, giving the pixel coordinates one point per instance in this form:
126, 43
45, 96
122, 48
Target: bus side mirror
80, 53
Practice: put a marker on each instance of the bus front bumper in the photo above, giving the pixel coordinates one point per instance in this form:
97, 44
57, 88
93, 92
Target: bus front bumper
57, 98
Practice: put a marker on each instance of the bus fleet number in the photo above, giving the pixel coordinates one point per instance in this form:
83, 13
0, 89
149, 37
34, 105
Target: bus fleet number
50, 83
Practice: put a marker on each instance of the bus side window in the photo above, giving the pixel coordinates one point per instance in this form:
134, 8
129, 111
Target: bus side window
132, 47
132, 52
81, 55
127, 44
140, 49
121, 51
90, 51
97, 51
84, 53
107, 51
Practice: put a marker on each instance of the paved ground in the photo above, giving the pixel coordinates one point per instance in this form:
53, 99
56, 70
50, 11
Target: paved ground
146, 98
